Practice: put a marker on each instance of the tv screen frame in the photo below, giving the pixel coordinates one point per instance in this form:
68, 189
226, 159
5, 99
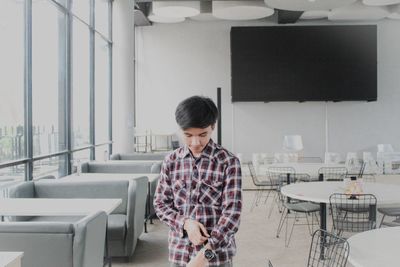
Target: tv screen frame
304, 63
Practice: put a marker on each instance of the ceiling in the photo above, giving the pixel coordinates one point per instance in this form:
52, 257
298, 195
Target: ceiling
281, 11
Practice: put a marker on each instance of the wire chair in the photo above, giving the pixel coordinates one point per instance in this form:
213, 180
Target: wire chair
262, 185
353, 213
391, 212
333, 173
328, 250
294, 210
278, 175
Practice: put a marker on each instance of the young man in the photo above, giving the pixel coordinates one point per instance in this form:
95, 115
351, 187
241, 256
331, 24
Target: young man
199, 192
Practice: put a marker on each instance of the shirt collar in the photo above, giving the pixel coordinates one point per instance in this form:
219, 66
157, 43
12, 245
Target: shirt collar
208, 151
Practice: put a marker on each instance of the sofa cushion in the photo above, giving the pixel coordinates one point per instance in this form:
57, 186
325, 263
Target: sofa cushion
116, 227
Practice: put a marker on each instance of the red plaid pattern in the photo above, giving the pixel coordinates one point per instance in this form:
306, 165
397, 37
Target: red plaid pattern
206, 189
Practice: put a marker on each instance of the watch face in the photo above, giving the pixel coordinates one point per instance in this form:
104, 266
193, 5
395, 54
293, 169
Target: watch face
209, 254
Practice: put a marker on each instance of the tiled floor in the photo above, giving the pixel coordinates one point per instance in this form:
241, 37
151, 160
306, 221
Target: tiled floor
256, 241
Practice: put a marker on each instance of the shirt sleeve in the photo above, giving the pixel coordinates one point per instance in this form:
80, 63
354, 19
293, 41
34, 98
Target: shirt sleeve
164, 203
229, 221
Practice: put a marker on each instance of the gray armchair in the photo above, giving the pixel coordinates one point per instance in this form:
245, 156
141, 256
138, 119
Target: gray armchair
61, 244
139, 156
125, 223
121, 167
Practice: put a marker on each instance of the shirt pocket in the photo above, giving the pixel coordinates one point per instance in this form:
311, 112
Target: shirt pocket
210, 192
179, 191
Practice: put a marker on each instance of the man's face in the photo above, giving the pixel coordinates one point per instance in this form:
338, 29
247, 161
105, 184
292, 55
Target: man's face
197, 138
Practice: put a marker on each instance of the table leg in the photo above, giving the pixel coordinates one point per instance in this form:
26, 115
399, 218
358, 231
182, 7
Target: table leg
323, 227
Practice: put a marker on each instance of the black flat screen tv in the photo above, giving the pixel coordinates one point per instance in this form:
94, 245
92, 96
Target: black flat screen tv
304, 63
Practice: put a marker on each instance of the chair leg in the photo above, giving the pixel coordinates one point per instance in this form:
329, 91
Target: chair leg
254, 200
287, 241
383, 217
281, 222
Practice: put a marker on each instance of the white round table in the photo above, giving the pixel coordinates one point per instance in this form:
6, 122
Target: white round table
319, 192
307, 168
379, 247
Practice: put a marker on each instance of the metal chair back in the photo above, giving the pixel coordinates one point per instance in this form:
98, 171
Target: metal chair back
328, 250
353, 213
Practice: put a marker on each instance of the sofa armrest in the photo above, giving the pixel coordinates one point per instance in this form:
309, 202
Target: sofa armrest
115, 157
85, 167
137, 195
22, 190
88, 245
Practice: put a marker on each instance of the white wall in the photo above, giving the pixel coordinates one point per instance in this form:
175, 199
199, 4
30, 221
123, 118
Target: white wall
179, 60
123, 76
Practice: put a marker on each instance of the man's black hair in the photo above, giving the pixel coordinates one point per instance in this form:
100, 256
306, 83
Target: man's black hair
196, 112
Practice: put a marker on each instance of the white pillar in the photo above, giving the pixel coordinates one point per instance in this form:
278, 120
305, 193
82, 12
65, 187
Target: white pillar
123, 75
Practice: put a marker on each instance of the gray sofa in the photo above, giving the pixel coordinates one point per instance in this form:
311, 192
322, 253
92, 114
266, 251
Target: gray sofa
125, 223
61, 244
121, 167
139, 156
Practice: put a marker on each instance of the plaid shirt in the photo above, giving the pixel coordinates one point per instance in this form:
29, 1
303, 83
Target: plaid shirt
206, 189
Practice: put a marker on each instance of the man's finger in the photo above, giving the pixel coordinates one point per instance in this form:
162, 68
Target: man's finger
204, 230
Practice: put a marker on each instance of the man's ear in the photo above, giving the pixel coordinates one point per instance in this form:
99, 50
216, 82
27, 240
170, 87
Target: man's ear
213, 126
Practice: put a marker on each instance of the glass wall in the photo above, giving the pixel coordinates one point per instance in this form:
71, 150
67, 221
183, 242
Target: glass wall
12, 135
54, 101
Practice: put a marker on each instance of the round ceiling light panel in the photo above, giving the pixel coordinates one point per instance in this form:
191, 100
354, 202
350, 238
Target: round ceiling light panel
358, 11
176, 9
240, 10
158, 19
394, 12
304, 5
380, 2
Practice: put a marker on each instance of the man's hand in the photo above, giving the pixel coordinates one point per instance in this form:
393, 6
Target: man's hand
198, 261
197, 233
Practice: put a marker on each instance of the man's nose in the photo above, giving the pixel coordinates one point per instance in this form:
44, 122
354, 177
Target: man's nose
195, 141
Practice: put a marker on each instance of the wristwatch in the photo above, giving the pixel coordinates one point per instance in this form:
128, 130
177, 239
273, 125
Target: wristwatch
209, 254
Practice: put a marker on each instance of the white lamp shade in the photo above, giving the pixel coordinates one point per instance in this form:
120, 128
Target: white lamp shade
314, 14
385, 148
159, 19
293, 143
380, 2
394, 12
240, 10
176, 9
302, 5
358, 11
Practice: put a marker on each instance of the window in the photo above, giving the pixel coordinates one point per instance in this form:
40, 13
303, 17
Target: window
101, 90
60, 70
102, 17
48, 67
81, 9
12, 136
55, 166
80, 85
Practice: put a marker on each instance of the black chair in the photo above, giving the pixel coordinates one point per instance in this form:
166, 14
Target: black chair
353, 213
328, 250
